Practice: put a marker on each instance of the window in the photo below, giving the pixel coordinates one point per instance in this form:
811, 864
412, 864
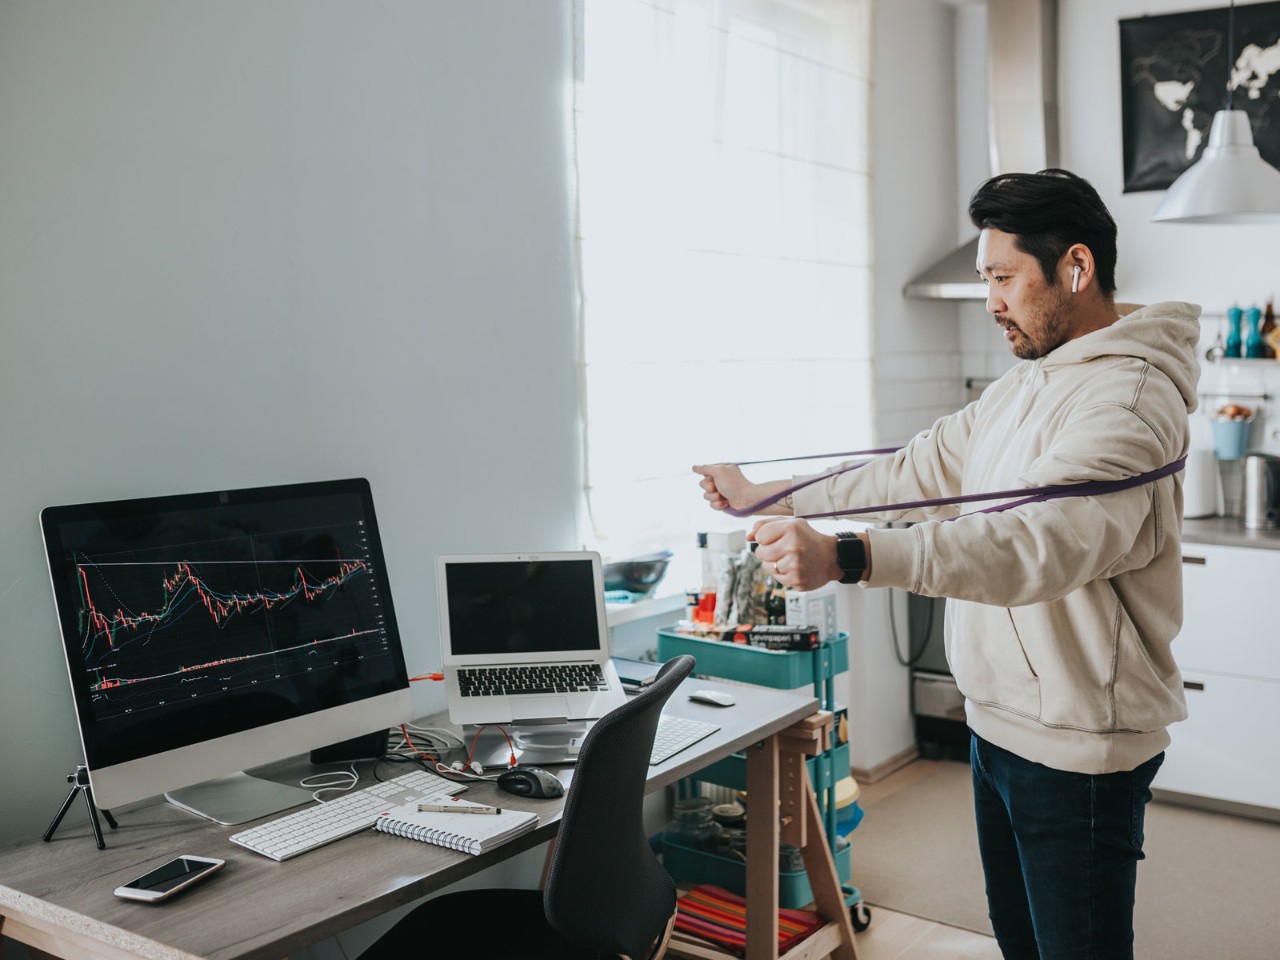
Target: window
723, 248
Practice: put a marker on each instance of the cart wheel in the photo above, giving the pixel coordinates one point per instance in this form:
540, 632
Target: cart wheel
860, 915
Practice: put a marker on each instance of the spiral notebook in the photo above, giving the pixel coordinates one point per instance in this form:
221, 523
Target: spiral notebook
472, 833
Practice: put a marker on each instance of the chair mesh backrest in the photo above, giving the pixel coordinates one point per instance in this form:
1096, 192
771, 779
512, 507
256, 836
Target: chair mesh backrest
606, 891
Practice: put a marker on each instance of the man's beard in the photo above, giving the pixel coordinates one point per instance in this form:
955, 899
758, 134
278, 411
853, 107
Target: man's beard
1051, 332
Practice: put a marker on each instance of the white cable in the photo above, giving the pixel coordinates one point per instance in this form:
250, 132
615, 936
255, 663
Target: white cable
347, 779
440, 738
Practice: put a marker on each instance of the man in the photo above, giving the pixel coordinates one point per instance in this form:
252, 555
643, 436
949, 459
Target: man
1062, 612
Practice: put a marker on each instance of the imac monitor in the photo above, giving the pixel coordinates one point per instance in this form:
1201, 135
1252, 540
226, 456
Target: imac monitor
208, 633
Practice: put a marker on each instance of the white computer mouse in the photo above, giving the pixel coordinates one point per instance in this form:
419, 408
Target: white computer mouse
716, 697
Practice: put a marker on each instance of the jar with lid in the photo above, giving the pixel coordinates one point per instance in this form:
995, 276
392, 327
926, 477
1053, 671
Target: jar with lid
693, 825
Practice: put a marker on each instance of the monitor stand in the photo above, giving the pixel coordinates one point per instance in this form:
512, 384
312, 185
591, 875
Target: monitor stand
237, 798
534, 744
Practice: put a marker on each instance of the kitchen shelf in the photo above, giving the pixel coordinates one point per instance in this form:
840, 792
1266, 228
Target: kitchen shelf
1234, 394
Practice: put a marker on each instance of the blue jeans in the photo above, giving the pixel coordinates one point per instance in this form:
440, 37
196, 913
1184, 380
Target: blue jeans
1060, 853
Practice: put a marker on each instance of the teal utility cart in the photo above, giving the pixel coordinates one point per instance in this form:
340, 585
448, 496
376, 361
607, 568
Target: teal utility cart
780, 669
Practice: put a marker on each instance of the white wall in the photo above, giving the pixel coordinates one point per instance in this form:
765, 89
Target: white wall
915, 201
1209, 265
921, 111
247, 243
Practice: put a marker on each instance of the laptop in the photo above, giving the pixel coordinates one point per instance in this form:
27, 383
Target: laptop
525, 639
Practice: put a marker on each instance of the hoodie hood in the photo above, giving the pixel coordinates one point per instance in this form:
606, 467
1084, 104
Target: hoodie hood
1165, 334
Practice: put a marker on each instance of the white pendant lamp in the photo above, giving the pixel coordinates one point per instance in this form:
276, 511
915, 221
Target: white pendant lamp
1231, 183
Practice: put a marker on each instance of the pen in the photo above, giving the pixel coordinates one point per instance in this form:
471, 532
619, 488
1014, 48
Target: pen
456, 808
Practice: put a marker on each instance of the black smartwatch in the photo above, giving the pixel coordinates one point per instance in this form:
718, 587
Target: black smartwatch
851, 555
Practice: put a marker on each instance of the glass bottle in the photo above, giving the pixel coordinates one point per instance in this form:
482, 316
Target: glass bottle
1253, 340
1268, 332
1234, 316
706, 608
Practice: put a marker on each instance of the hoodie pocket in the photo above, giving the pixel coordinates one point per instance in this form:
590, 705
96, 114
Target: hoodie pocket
990, 663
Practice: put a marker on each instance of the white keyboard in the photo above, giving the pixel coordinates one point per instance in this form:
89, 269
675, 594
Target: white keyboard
350, 813
675, 734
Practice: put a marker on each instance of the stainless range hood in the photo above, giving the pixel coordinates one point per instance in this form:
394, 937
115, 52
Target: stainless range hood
1022, 123
951, 278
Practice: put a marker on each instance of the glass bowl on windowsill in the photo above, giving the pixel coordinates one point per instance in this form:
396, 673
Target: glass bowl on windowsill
637, 575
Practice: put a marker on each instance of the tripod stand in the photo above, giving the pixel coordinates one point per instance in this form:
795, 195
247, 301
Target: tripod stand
80, 781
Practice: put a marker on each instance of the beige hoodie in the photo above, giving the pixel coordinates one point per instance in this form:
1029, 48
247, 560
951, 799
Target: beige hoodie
1062, 613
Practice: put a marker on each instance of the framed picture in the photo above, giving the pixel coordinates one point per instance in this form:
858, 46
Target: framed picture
1174, 75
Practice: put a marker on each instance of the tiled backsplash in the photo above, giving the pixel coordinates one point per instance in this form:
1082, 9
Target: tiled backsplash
1251, 383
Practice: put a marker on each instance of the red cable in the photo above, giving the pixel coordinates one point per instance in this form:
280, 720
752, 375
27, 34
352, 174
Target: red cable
474, 740
416, 752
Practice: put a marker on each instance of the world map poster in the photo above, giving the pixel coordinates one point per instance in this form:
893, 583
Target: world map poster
1175, 74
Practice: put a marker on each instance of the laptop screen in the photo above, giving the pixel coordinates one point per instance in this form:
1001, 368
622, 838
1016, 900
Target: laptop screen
522, 605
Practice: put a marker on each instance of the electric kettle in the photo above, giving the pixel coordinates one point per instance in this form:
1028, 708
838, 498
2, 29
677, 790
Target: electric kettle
1261, 509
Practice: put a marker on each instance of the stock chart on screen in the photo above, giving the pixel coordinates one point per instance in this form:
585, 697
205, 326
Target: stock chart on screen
155, 631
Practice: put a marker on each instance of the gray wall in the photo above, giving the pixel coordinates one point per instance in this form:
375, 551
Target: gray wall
246, 243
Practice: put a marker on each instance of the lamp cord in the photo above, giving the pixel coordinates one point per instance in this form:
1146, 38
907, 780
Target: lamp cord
1231, 50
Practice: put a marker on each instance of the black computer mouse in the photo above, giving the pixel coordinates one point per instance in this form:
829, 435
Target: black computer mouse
531, 782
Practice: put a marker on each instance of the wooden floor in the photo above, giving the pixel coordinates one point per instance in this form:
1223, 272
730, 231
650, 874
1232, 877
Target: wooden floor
900, 936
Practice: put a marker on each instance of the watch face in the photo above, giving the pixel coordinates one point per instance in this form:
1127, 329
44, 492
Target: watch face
851, 554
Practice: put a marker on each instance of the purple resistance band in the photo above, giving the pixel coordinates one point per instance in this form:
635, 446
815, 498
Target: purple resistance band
1017, 498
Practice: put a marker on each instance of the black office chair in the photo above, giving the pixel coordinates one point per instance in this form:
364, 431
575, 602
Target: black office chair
606, 893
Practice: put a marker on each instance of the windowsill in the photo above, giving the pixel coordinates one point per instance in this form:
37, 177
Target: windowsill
663, 603
684, 572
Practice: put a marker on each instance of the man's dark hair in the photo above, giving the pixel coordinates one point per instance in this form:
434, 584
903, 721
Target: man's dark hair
1047, 212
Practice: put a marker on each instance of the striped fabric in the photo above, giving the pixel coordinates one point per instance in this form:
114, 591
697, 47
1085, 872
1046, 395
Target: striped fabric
715, 914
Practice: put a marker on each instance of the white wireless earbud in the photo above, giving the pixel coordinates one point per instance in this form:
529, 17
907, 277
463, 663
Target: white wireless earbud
1075, 281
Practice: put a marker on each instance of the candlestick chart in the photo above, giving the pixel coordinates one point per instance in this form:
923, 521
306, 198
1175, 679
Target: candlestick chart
159, 632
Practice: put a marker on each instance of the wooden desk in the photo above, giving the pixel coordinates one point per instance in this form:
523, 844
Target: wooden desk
57, 896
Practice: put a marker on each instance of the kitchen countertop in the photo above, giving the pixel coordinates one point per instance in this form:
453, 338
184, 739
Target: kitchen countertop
1228, 532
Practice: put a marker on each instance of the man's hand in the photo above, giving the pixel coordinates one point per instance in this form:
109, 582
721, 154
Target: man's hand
796, 554
724, 486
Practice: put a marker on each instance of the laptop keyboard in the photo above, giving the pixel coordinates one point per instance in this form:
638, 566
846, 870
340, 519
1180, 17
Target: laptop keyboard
540, 678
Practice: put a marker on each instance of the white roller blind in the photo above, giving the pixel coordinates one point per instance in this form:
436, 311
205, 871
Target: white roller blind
723, 247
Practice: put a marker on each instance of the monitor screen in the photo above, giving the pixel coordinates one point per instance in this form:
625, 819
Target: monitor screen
208, 632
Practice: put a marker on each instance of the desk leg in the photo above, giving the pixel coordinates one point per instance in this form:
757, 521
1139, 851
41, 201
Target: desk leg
824, 882
778, 780
762, 851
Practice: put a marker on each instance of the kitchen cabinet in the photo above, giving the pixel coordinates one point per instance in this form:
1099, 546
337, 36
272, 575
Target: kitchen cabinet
1231, 600
1229, 655
1226, 747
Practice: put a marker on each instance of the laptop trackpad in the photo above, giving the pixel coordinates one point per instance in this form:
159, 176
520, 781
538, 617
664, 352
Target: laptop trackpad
539, 708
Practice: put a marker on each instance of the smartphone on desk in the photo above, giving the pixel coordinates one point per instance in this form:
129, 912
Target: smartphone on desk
169, 878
